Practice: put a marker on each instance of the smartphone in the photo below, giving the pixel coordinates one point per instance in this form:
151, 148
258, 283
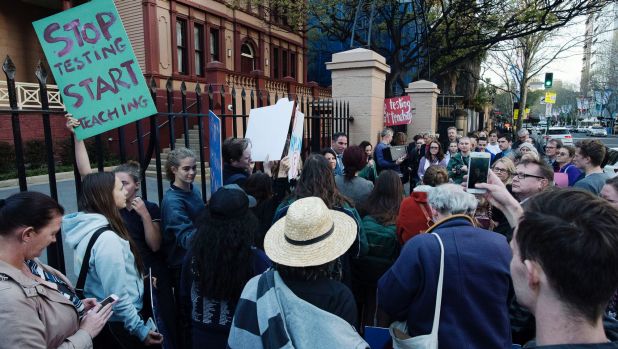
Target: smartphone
151, 325
478, 169
110, 299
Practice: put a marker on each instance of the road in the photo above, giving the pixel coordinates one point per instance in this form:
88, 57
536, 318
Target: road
68, 198
610, 141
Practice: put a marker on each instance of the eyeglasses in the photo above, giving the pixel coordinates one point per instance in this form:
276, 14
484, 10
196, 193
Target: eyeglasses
524, 175
500, 170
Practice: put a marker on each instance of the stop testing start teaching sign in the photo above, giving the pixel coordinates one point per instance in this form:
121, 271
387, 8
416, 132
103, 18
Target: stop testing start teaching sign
95, 68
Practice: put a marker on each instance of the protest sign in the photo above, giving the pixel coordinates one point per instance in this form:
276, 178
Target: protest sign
95, 68
296, 144
397, 111
214, 144
268, 130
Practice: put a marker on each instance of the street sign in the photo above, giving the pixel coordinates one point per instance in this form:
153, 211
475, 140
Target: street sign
550, 97
95, 68
516, 113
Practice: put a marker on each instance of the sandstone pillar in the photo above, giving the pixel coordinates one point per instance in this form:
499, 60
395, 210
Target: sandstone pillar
358, 77
423, 95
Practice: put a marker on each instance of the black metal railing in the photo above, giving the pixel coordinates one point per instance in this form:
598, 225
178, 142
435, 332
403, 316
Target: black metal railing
323, 117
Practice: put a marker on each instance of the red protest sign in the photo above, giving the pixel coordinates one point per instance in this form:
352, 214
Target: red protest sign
397, 111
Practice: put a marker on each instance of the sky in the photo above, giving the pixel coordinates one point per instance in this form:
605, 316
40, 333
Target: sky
567, 69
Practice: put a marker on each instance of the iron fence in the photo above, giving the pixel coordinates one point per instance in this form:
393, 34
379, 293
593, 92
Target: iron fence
323, 117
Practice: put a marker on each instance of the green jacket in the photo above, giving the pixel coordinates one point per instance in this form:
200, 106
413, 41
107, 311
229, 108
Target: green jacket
369, 173
455, 172
383, 250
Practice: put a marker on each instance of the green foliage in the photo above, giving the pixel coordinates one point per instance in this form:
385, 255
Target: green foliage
7, 157
441, 38
35, 153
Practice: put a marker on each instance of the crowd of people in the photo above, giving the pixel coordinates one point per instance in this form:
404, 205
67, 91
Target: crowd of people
364, 236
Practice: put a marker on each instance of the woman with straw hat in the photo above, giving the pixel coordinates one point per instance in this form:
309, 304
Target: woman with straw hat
317, 180
301, 301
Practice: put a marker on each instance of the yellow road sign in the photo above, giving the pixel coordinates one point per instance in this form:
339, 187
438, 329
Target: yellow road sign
550, 97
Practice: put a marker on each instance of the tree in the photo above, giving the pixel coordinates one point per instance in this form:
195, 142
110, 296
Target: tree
520, 60
443, 41
604, 77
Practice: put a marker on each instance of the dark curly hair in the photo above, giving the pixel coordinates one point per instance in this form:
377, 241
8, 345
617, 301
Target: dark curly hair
222, 256
331, 270
317, 180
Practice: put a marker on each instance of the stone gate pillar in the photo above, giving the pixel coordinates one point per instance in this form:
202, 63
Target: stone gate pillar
424, 96
358, 77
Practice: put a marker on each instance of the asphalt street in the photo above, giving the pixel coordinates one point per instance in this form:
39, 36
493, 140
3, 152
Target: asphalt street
610, 141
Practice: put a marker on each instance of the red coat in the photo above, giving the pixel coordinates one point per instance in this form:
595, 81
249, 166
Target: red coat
414, 217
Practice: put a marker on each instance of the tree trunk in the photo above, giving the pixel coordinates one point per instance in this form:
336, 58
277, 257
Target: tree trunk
523, 97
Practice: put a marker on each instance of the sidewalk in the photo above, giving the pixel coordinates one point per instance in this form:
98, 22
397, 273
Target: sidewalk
41, 179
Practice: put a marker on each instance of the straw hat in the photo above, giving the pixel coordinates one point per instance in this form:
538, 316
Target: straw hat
310, 234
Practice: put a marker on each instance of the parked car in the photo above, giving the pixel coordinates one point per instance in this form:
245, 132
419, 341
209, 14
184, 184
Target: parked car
561, 133
597, 131
582, 129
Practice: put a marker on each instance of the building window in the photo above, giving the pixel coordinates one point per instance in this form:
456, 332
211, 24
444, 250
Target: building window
214, 45
284, 63
181, 45
198, 44
247, 58
293, 65
275, 62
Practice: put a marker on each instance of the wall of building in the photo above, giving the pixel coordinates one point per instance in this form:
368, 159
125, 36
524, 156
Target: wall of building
18, 39
236, 26
132, 17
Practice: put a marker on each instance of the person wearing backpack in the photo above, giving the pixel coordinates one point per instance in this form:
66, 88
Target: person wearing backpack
379, 215
108, 261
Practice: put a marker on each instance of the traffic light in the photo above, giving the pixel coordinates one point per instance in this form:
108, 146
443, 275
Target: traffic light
549, 80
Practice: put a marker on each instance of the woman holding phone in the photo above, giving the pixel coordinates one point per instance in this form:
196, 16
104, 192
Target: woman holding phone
114, 266
40, 308
142, 219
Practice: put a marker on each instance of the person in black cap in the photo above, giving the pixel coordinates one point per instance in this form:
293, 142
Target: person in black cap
220, 262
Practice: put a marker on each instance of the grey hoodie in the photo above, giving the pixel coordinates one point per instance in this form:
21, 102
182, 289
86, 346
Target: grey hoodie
111, 268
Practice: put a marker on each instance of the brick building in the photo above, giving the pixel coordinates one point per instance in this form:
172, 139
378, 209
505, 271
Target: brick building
191, 41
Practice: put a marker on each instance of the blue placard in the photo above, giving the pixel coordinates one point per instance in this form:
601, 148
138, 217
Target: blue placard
216, 164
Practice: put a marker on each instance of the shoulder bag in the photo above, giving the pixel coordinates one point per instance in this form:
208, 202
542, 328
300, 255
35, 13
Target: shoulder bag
83, 272
399, 329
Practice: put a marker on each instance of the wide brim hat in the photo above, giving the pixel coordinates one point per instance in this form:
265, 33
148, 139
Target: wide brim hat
309, 234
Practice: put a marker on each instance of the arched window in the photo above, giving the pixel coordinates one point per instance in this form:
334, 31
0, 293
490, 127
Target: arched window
247, 58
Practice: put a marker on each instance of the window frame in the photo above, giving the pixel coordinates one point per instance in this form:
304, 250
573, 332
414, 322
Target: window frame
182, 62
198, 49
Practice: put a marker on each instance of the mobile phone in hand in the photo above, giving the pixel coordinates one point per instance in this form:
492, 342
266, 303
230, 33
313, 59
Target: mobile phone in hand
478, 170
110, 299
